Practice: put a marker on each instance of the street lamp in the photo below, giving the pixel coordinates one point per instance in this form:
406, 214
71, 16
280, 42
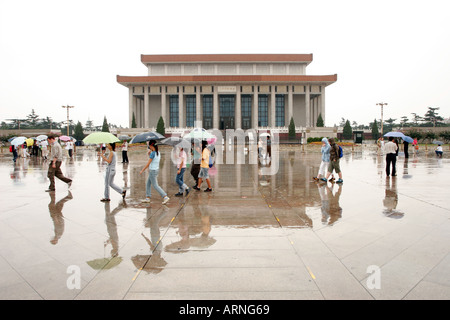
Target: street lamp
68, 107
382, 104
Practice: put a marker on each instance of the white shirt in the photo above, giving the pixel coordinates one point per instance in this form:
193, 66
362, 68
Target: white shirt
390, 147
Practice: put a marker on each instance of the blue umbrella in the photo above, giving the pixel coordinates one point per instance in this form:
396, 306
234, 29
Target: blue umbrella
146, 136
396, 134
408, 139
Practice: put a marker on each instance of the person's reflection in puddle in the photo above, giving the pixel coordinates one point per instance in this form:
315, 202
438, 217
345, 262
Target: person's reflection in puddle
390, 200
331, 211
111, 227
153, 262
55, 209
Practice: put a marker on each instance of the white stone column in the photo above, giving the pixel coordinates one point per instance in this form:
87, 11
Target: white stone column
198, 105
238, 109
181, 123
307, 107
146, 108
290, 105
255, 109
322, 104
163, 106
272, 107
131, 107
215, 109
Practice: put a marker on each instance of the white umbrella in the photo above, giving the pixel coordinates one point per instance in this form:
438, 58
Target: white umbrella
41, 137
18, 141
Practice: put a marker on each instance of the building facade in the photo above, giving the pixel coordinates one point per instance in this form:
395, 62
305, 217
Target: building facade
226, 91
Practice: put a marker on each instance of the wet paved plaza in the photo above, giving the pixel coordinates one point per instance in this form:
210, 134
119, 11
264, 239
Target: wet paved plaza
254, 237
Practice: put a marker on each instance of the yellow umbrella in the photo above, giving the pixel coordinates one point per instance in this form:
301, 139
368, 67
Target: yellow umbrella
29, 142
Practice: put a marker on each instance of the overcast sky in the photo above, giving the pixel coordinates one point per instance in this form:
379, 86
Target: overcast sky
55, 53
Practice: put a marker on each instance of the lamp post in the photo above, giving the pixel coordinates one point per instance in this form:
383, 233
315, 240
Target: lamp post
382, 104
68, 107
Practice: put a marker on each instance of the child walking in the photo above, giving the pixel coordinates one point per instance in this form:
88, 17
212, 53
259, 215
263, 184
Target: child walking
153, 165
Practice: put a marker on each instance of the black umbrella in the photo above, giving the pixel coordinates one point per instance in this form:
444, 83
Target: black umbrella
146, 136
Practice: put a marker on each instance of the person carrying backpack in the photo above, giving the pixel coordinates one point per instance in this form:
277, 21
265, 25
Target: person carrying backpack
335, 155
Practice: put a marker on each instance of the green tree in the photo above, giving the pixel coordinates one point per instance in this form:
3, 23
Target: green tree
78, 132
90, 125
133, 122
374, 127
404, 121
319, 121
416, 119
292, 129
160, 126
105, 127
445, 135
32, 119
432, 117
347, 132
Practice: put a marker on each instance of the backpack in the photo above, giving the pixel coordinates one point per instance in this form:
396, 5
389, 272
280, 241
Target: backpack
341, 152
10, 148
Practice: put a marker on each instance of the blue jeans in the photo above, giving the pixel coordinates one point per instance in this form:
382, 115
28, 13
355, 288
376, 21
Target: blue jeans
152, 180
179, 179
109, 182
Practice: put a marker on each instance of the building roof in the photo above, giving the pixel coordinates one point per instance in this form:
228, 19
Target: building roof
210, 58
142, 80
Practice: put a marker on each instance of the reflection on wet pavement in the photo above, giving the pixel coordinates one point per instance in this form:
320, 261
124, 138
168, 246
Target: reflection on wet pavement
256, 236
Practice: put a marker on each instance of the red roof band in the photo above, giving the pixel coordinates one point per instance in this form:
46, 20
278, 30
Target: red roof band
199, 58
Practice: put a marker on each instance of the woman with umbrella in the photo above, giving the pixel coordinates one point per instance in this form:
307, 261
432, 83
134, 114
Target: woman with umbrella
111, 172
153, 165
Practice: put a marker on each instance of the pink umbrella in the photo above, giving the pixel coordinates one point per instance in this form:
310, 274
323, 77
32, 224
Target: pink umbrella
65, 138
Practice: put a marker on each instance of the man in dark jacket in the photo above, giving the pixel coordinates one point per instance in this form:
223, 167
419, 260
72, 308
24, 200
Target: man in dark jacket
334, 162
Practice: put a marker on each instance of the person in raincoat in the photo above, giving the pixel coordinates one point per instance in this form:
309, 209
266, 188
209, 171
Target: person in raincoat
325, 150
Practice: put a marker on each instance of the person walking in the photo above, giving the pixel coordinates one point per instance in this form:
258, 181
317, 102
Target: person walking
125, 151
405, 148
153, 166
391, 156
179, 179
416, 146
196, 160
325, 150
111, 172
334, 162
54, 169
204, 168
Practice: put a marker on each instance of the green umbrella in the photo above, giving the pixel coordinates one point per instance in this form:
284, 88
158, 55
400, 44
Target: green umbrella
100, 137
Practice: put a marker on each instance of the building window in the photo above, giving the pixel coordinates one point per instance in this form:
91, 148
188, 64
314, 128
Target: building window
207, 111
263, 110
173, 110
190, 110
246, 111
279, 110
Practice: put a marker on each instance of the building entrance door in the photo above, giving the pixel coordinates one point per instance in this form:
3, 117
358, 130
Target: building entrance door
226, 107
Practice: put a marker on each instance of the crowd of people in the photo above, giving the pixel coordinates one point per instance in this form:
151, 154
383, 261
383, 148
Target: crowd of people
331, 153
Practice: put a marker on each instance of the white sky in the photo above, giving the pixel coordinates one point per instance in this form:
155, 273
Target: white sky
55, 53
